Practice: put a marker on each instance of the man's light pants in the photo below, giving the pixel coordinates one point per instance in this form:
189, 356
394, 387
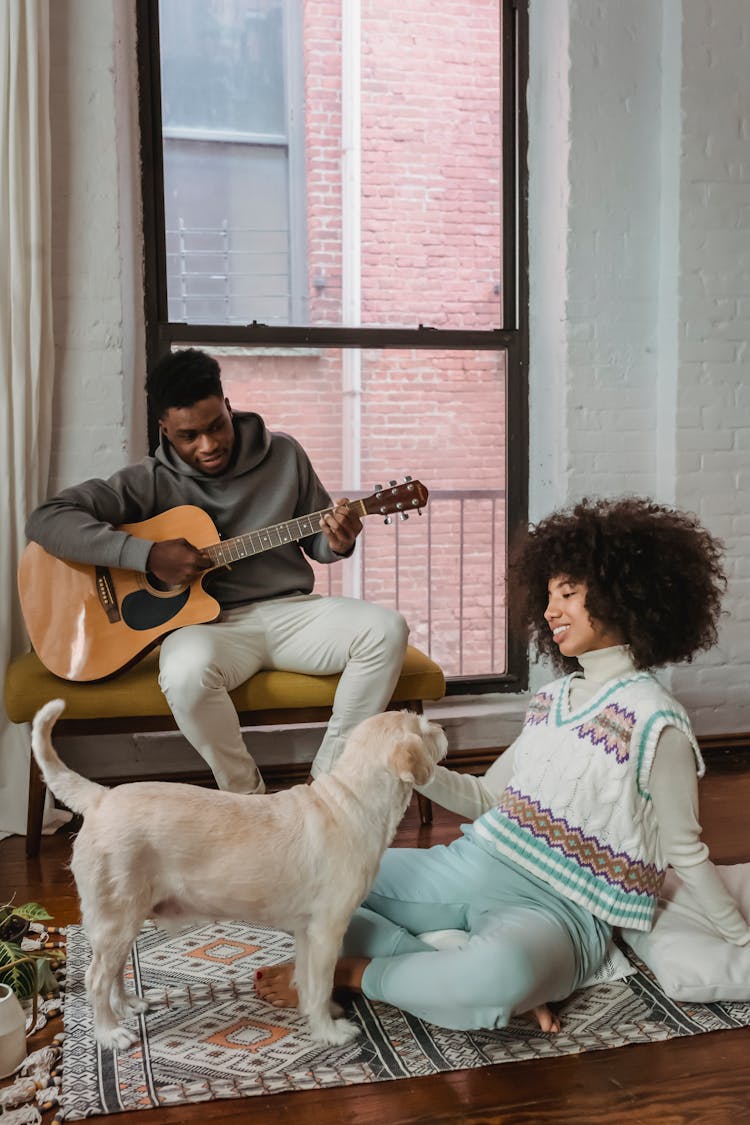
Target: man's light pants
200, 664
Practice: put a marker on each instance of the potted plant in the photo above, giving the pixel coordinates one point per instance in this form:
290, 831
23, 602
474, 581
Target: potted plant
28, 971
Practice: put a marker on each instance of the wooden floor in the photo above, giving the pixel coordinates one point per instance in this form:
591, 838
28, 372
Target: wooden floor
701, 1080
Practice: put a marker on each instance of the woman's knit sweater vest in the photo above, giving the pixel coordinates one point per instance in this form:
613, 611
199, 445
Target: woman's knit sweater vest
577, 812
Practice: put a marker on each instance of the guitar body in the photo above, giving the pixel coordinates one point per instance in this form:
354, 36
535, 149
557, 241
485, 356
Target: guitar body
88, 622
73, 634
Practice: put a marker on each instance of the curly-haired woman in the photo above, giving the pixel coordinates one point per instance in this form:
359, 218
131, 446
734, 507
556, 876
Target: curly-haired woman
573, 827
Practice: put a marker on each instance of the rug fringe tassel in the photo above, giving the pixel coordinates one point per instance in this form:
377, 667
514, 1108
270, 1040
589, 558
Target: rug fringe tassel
26, 1115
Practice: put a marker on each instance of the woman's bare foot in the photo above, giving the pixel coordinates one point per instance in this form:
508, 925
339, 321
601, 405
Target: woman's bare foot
274, 984
547, 1019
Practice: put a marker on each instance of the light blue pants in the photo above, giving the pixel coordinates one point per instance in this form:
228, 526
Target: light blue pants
200, 664
526, 943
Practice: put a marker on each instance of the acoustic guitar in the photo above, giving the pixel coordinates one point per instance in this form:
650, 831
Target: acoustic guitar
89, 622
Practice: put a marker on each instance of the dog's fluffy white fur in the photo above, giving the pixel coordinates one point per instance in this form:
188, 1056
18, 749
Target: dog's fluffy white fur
300, 860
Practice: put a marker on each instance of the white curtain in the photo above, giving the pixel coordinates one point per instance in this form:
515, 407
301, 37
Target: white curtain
26, 342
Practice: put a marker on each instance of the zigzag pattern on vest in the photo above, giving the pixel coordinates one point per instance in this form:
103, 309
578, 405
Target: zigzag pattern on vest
620, 870
538, 711
612, 730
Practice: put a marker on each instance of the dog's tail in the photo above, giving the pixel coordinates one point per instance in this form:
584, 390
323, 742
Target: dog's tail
78, 793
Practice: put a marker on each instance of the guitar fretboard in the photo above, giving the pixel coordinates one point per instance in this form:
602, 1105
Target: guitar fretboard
267, 538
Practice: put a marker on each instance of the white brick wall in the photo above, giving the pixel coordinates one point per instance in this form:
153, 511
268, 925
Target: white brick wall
713, 423
652, 351
608, 355
98, 411
640, 270
613, 222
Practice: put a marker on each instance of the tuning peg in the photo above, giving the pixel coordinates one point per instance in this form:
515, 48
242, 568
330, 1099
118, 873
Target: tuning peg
388, 520
407, 479
393, 483
403, 515
378, 488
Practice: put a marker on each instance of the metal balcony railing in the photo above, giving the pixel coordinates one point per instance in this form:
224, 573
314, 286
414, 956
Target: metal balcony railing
445, 571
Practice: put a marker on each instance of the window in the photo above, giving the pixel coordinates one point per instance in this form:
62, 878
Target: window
334, 206
231, 156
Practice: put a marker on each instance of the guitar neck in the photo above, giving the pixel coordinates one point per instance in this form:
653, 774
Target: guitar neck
268, 538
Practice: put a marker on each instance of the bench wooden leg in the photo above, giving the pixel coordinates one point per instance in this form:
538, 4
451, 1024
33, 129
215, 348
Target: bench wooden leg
37, 794
424, 805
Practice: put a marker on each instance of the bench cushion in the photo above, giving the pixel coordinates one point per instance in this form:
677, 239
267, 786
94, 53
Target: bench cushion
135, 692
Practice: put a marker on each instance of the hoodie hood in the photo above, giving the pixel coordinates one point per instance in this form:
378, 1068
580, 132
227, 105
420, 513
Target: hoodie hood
252, 441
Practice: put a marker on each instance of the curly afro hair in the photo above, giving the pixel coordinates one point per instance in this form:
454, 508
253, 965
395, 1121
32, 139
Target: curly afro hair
653, 574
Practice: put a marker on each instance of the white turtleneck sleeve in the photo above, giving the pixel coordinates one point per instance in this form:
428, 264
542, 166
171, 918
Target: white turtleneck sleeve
673, 785
467, 795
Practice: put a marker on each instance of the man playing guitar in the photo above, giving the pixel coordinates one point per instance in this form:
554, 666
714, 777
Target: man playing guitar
230, 466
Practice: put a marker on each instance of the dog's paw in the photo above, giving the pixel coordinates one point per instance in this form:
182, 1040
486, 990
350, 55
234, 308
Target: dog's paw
132, 1005
117, 1038
336, 1033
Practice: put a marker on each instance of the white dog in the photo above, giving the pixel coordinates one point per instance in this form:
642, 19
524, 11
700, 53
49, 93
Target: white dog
300, 860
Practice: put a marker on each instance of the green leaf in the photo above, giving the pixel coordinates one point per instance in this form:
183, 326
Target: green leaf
9, 951
18, 970
33, 912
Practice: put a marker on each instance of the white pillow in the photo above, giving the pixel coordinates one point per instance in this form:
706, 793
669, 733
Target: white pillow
689, 959
615, 965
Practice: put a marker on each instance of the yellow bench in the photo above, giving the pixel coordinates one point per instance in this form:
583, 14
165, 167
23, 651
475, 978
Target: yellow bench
133, 702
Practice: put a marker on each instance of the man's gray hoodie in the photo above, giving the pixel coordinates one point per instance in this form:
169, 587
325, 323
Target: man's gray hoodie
269, 480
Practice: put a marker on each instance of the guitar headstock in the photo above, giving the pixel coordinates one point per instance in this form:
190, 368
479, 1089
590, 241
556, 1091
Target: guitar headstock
396, 498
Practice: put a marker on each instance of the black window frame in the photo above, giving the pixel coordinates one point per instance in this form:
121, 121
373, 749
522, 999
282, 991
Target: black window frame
162, 335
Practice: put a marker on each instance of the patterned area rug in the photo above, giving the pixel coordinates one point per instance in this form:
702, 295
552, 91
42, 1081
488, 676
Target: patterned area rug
208, 1036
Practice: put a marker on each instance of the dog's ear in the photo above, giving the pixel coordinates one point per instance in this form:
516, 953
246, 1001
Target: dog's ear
410, 761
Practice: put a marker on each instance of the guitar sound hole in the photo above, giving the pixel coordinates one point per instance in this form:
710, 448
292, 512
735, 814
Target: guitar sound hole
157, 584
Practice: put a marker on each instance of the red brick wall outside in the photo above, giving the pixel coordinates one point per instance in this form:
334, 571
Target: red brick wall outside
431, 253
